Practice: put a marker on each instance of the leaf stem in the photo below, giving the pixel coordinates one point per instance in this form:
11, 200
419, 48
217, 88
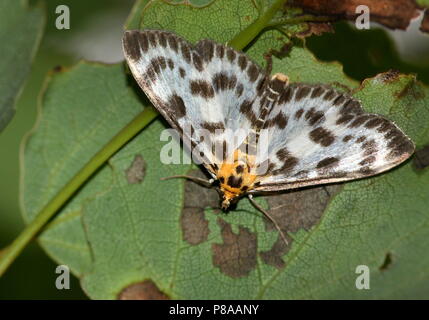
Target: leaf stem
245, 36
9, 254
301, 19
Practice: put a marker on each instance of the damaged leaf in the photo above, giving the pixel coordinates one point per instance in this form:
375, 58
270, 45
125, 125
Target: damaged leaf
170, 236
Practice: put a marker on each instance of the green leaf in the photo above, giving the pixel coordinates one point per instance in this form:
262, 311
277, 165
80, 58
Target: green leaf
21, 29
127, 227
193, 3
82, 109
423, 3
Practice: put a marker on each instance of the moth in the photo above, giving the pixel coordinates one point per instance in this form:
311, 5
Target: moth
314, 133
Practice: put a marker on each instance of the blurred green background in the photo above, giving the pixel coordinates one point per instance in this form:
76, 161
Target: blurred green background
95, 33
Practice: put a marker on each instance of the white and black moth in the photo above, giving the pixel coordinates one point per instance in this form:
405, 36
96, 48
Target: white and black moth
316, 134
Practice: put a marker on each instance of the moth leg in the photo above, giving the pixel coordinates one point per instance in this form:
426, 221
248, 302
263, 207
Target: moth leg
257, 206
200, 181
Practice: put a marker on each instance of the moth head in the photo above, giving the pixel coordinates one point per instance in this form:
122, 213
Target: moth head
225, 203
228, 199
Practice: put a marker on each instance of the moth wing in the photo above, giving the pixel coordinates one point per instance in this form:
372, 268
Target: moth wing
318, 135
195, 87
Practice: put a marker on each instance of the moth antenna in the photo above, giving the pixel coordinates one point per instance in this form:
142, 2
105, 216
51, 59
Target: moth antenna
257, 206
200, 181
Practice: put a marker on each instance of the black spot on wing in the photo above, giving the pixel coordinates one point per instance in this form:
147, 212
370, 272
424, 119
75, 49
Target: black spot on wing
280, 120
288, 161
201, 88
253, 72
135, 43
152, 35
398, 142
317, 92
329, 95
369, 147
176, 106
367, 161
347, 138
163, 39
328, 162
170, 63
206, 49
299, 113
314, 117
302, 92
182, 72
360, 139
374, 122
239, 90
221, 81
360, 120
185, 48
351, 106
213, 126
220, 51
220, 149
154, 68
242, 62
322, 136
197, 61
246, 109
285, 95
172, 41
230, 53
339, 100
234, 181
344, 119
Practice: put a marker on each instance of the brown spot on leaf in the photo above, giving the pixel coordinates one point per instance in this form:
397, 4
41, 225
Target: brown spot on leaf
281, 53
57, 68
387, 263
136, 171
236, 256
421, 158
294, 211
315, 29
411, 90
145, 290
388, 76
195, 227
